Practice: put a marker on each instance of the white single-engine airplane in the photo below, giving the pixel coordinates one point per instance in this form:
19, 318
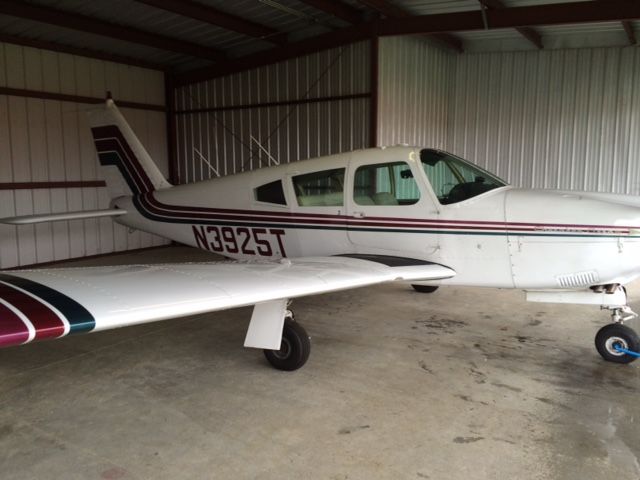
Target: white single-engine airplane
415, 215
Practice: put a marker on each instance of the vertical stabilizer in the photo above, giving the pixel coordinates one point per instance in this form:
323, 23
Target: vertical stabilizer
126, 165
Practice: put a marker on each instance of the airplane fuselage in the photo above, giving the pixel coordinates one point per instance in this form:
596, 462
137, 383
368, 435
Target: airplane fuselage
504, 237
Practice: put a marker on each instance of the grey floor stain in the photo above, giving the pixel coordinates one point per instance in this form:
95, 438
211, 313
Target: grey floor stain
445, 325
424, 367
508, 387
467, 439
348, 430
548, 401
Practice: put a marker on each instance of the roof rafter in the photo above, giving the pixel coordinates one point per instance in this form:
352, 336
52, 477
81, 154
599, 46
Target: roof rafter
213, 16
81, 51
338, 9
87, 24
393, 11
527, 32
628, 28
510, 17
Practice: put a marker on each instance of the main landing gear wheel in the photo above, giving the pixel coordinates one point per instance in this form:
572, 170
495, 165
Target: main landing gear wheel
294, 349
424, 288
617, 335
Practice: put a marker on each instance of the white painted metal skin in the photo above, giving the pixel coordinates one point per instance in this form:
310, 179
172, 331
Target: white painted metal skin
568, 243
49, 140
135, 294
490, 258
494, 239
212, 144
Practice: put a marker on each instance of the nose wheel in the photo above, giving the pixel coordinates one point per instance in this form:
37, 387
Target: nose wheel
294, 349
613, 337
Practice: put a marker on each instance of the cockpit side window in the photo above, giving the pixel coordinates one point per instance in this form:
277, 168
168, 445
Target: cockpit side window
320, 189
385, 184
454, 179
270, 193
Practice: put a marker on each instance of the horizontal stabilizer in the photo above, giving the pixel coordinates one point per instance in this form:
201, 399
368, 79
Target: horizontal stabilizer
56, 217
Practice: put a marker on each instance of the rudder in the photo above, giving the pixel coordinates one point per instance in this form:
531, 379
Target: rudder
126, 165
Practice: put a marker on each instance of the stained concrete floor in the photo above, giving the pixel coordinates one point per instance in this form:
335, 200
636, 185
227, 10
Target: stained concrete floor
461, 384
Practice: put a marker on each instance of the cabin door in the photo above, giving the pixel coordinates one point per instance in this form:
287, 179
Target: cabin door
389, 207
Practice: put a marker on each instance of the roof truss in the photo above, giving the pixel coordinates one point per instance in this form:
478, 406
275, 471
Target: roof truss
393, 11
631, 35
87, 24
84, 52
213, 16
510, 17
397, 22
527, 32
338, 9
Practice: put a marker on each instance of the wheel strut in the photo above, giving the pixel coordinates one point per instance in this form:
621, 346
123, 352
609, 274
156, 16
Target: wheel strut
622, 314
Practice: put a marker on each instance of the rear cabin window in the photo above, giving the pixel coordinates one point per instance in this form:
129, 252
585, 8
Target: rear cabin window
271, 193
320, 189
385, 184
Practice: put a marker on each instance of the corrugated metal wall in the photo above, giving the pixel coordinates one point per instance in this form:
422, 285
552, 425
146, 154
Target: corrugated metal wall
414, 88
226, 142
565, 119
49, 140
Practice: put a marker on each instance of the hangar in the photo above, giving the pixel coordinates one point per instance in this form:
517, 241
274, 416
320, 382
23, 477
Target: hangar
464, 382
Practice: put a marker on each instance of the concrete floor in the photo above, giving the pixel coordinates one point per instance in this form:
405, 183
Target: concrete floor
460, 384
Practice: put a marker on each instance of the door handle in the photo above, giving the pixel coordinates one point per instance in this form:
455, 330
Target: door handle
359, 215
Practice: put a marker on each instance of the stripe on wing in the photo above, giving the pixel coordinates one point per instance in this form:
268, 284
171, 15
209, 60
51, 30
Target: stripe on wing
45, 321
79, 318
13, 331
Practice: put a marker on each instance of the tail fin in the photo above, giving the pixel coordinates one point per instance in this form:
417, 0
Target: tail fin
127, 167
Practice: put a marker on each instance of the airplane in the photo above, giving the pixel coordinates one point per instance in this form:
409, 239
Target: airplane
411, 214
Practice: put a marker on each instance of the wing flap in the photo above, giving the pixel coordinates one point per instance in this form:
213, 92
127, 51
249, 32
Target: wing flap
100, 298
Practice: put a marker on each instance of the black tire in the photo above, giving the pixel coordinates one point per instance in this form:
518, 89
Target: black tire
617, 334
424, 288
294, 349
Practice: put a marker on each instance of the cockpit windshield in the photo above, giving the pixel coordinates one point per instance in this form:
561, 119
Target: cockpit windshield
454, 179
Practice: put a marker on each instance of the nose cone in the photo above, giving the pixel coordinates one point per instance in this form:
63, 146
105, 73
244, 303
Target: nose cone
578, 213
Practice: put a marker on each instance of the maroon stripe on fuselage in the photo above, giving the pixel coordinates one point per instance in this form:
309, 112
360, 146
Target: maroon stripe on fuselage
175, 211
46, 323
13, 331
152, 205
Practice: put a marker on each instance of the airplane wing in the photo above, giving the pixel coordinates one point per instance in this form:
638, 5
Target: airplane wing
52, 303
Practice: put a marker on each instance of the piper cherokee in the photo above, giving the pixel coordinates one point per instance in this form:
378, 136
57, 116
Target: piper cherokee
416, 215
